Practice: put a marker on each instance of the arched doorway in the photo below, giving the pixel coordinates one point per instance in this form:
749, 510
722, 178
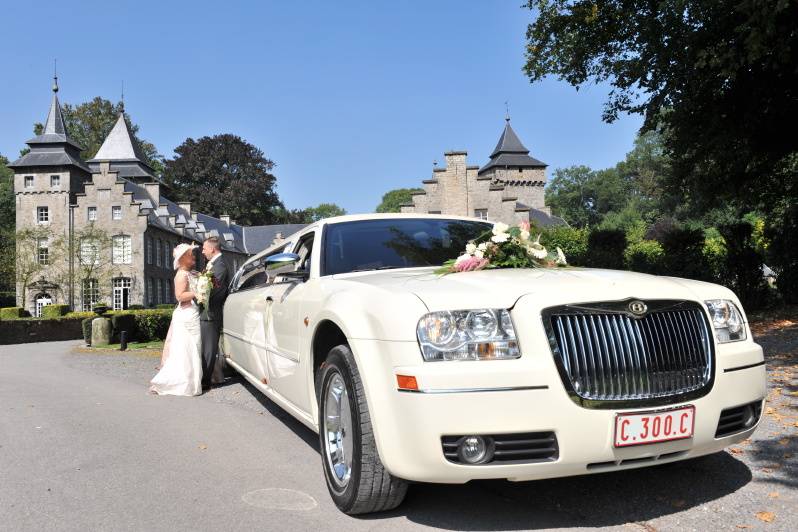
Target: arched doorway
42, 300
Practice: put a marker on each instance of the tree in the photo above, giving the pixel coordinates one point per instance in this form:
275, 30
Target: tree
7, 208
583, 196
323, 210
25, 258
7, 228
90, 122
393, 199
718, 75
224, 174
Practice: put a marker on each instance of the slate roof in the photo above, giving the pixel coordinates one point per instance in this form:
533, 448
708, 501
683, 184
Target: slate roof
539, 217
259, 237
121, 149
53, 147
511, 153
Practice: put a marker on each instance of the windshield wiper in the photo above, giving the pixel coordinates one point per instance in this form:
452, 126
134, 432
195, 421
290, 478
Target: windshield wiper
375, 269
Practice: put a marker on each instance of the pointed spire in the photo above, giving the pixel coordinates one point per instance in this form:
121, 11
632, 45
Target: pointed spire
509, 141
510, 152
119, 145
55, 119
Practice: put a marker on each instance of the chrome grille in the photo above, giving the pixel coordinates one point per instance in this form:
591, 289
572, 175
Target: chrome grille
606, 353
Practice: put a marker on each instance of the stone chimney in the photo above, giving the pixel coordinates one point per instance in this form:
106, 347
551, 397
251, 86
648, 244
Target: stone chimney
226, 219
153, 190
186, 206
455, 159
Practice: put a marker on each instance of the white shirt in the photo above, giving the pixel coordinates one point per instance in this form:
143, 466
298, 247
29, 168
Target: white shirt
210, 262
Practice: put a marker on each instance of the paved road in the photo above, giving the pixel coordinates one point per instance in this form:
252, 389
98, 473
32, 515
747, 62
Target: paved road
83, 447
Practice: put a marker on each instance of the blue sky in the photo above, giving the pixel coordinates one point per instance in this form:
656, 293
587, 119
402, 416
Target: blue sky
350, 99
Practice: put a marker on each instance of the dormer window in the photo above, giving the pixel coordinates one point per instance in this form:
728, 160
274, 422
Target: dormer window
55, 181
28, 181
116, 212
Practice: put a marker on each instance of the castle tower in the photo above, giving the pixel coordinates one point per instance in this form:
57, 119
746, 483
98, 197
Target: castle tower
123, 154
46, 181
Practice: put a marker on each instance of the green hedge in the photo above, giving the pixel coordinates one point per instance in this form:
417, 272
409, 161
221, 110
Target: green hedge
124, 322
605, 249
50, 312
742, 269
12, 313
152, 324
572, 241
86, 325
164, 306
645, 256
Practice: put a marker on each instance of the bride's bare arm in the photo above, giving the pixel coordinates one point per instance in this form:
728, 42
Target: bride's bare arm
182, 293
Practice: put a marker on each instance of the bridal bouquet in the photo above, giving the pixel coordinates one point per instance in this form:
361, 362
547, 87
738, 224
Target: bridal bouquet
504, 247
205, 283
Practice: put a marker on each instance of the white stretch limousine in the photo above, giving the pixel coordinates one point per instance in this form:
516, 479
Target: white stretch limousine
516, 374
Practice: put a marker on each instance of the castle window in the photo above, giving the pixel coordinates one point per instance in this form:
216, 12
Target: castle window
166, 291
166, 253
150, 299
482, 214
42, 252
158, 293
121, 293
158, 252
89, 252
116, 212
43, 215
121, 252
91, 214
55, 180
149, 251
90, 295
28, 181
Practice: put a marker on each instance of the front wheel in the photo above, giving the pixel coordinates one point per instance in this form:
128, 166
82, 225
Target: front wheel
357, 480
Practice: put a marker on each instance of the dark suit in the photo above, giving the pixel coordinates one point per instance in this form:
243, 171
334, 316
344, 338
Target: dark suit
211, 318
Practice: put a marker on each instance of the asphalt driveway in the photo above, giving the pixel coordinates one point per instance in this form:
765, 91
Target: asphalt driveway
84, 447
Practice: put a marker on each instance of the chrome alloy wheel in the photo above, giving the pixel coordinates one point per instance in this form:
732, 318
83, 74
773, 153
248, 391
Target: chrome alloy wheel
338, 430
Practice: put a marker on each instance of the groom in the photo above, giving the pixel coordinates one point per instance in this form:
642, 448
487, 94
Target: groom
211, 316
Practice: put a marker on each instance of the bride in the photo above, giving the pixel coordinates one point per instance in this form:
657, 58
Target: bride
181, 364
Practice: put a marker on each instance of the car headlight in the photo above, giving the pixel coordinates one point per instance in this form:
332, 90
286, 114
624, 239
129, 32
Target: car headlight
727, 320
480, 334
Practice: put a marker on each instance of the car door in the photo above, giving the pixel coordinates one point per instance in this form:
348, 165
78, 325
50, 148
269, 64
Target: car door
246, 332
288, 366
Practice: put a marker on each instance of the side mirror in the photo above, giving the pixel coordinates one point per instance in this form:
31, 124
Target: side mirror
284, 265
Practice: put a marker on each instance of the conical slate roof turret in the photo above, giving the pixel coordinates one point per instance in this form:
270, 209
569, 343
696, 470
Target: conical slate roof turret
121, 149
53, 147
510, 152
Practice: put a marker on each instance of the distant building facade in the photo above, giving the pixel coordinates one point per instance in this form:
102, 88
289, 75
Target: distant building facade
509, 188
117, 193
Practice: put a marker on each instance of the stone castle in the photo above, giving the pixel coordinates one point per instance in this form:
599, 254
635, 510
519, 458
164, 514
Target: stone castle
62, 198
509, 188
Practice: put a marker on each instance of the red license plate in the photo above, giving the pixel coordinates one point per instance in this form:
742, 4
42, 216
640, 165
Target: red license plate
640, 428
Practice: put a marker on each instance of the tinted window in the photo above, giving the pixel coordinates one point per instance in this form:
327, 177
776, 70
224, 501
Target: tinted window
395, 243
253, 274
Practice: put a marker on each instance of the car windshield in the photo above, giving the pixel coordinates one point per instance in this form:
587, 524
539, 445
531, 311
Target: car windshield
396, 243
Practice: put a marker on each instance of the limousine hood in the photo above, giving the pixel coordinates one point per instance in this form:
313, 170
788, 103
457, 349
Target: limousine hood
550, 286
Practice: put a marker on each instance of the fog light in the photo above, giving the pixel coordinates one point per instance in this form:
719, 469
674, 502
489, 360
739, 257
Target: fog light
475, 450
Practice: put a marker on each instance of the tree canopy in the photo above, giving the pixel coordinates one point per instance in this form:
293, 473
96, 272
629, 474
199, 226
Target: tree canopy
718, 75
90, 122
224, 174
393, 199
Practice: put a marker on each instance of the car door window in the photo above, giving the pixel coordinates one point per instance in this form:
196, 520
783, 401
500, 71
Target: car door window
305, 249
253, 274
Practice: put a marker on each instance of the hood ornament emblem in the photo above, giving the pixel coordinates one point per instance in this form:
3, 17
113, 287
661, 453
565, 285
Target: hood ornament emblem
638, 308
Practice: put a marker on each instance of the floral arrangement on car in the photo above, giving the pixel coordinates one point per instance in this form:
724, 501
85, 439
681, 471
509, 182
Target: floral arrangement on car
504, 247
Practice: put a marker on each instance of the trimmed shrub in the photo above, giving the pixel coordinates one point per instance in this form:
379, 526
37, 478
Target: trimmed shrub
80, 314
12, 313
50, 312
164, 306
123, 321
782, 254
86, 325
100, 309
572, 241
605, 248
152, 324
742, 269
645, 256
684, 254
135, 307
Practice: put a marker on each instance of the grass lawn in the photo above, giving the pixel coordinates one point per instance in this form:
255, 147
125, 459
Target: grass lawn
154, 345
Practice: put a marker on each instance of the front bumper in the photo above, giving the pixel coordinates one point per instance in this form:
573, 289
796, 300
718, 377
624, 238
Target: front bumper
521, 396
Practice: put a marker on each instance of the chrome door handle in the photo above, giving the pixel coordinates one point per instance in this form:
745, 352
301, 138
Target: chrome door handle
270, 299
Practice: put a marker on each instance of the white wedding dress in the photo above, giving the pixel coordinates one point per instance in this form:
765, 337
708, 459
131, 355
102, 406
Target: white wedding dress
181, 373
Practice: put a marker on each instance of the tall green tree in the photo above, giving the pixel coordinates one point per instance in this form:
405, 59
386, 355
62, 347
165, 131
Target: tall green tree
583, 196
224, 174
7, 209
7, 229
393, 199
323, 210
90, 122
718, 75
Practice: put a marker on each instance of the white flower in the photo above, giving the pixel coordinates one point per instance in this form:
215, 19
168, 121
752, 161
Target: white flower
561, 257
471, 248
524, 235
479, 254
500, 237
483, 247
499, 228
539, 253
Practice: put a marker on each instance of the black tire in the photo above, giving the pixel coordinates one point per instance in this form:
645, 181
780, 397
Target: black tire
370, 487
